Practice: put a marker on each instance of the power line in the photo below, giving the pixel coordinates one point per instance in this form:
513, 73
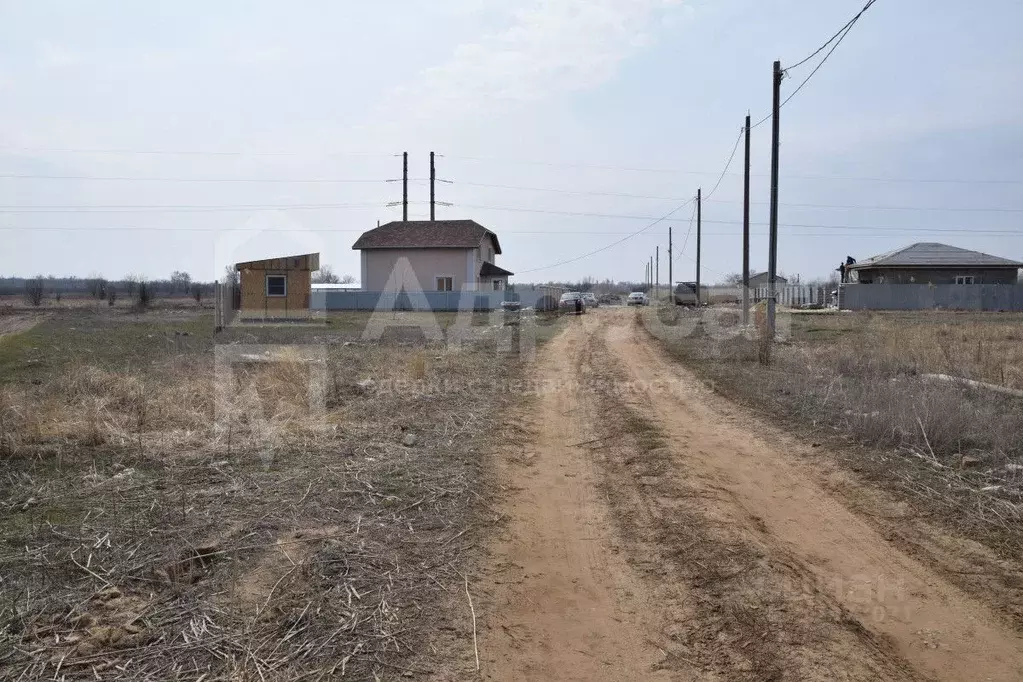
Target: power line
842, 33
727, 164
864, 207
190, 152
157, 208
187, 209
28, 176
688, 232
641, 217
596, 193
857, 232
666, 216
847, 26
825, 178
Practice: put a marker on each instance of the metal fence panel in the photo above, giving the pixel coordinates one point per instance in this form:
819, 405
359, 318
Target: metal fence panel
985, 297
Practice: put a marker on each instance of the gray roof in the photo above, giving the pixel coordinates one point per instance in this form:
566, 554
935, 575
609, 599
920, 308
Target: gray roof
426, 234
777, 277
930, 254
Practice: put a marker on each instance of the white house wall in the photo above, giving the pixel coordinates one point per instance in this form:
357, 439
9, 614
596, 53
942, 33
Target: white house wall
421, 267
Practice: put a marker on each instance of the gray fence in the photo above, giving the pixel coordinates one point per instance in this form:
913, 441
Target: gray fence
424, 300
994, 297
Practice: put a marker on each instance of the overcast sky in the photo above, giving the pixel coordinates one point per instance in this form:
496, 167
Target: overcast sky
254, 105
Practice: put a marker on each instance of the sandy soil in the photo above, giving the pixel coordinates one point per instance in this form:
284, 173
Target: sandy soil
655, 531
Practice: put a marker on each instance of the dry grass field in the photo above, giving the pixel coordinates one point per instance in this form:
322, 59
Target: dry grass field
148, 531
862, 379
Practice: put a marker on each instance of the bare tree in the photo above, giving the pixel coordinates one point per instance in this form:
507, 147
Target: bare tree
34, 291
325, 275
180, 281
732, 279
230, 276
96, 286
350, 279
197, 293
143, 294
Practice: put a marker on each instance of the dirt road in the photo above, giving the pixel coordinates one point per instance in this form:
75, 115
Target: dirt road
656, 531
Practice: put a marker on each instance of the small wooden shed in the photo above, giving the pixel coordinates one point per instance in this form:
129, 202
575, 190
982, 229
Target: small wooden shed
277, 287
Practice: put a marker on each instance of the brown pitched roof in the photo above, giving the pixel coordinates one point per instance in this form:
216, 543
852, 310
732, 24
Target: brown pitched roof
488, 269
426, 234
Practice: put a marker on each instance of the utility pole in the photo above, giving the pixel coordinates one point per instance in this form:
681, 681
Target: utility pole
433, 180
657, 271
745, 234
671, 282
404, 186
772, 256
699, 220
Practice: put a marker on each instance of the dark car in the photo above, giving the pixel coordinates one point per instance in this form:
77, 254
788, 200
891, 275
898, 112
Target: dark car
685, 293
572, 302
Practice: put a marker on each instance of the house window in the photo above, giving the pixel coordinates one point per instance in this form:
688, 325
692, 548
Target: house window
964, 279
497, 285
276, 285
444, 284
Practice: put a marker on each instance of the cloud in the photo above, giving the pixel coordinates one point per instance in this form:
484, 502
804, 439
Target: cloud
550, 47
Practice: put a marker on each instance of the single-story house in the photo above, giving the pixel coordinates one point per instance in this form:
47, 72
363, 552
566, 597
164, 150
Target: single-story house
431, 255
932, 263
277, 287
760, 279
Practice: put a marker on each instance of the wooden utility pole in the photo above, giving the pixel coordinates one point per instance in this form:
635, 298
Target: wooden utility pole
433, 181
671, 281
657, 270
699, 220
745, 233
404, 186
772, 256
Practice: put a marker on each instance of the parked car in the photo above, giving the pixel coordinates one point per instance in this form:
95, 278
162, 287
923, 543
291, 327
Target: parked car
590, 299
685, 293
572, 302
638, 298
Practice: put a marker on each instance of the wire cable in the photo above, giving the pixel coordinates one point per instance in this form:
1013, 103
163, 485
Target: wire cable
842, 33
731, 156
666, 216
30, 176
847, 26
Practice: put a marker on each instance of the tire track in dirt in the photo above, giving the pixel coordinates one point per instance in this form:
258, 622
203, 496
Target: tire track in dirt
830, 598
558, 601
663, 534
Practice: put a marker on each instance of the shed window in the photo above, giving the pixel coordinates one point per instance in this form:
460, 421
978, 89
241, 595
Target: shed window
964, 279
444, 284
276, 285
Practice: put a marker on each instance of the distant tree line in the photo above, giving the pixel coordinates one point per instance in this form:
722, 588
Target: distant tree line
142, 291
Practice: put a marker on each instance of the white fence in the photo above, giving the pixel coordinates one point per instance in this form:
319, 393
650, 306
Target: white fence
794, 295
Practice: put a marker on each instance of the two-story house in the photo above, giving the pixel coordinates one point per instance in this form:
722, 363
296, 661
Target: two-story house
431, 255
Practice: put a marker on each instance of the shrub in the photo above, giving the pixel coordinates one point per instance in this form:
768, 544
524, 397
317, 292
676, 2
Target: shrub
34, 291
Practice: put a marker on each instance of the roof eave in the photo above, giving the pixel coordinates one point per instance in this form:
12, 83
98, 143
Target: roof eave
986, 266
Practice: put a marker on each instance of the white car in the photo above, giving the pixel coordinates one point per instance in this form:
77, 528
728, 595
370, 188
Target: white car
638, 298
590, 299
